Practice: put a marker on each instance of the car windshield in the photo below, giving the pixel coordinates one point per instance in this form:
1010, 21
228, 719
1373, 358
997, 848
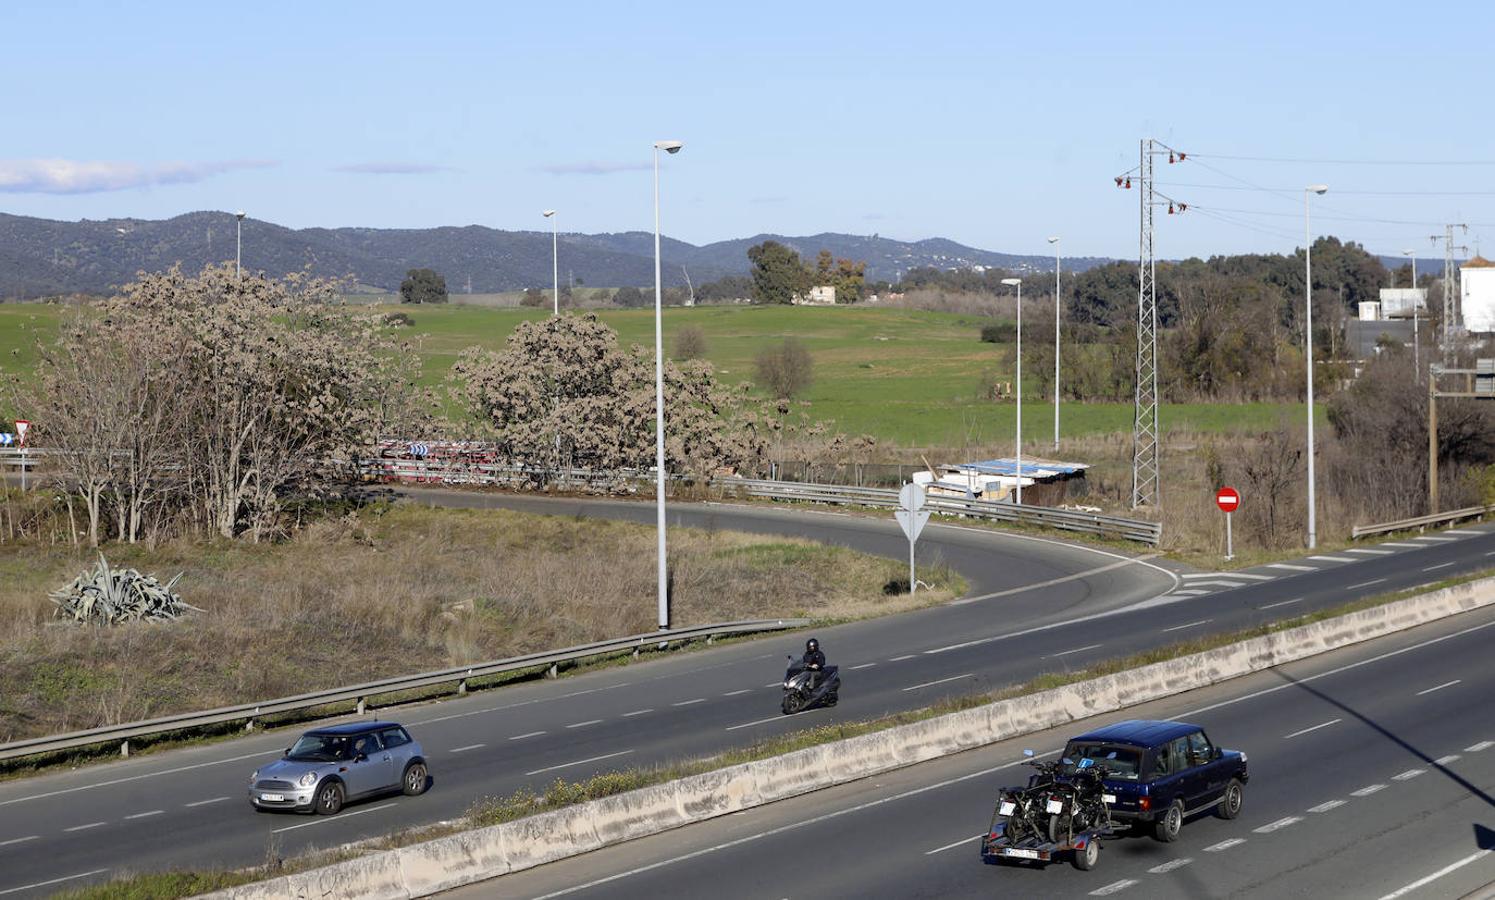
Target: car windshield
1122, 762
320, 748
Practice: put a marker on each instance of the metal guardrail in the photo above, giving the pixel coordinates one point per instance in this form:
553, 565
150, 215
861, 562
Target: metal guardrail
1468, 512
360, 693
1065, 519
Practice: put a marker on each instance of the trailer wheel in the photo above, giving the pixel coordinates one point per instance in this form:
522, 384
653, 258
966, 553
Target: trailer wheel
1086, 857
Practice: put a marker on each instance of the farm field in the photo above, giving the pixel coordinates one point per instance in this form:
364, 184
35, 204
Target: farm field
906, 377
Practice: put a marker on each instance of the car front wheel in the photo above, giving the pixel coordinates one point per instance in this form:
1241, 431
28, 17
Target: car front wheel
414, 782
1170, 823
1230, 804
330, 798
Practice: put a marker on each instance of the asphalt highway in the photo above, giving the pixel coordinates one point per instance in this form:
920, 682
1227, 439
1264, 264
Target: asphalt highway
1035, 605
1372, 774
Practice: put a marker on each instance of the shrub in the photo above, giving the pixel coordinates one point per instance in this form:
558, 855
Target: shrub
999, 333
785, 370
690, 343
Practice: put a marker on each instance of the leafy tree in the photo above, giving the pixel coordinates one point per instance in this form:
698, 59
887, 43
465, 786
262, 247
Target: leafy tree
731, 287
778, 274
533, 296
423, 286
629, 296
690, 343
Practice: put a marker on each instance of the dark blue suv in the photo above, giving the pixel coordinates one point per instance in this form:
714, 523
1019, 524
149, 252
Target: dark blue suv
1160, 772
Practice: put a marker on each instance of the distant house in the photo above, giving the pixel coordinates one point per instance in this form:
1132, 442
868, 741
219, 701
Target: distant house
822, 295
1477, 296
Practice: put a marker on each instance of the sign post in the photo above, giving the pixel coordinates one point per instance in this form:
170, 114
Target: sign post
21, 427
911, 515
1227, 499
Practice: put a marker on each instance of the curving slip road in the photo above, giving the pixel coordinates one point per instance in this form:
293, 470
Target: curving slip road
1035, 605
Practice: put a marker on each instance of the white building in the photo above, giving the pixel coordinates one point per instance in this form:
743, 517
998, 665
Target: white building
1398, 303
1477, 295
823, 295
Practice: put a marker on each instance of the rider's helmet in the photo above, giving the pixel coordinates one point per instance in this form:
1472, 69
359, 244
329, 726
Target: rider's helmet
811, 645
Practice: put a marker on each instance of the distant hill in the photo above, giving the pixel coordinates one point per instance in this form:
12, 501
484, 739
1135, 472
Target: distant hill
40, 257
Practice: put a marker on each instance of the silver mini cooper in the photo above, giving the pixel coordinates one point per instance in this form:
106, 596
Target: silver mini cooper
327, 767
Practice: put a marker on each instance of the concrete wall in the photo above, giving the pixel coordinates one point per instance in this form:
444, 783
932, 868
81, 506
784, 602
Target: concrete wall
447, 862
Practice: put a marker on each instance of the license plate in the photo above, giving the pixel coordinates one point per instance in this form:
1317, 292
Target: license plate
1020, 854
273, 798
1006, 808
1108, 798
1055, 807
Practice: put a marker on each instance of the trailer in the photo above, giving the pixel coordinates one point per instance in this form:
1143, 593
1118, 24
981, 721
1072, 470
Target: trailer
1083, 848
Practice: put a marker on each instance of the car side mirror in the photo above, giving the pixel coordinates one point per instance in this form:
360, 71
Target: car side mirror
288, 752
362, 757
1219, 754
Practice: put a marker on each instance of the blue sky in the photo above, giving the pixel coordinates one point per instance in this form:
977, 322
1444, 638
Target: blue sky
994, 124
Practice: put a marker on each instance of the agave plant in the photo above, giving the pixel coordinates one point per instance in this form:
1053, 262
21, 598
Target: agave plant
108, 596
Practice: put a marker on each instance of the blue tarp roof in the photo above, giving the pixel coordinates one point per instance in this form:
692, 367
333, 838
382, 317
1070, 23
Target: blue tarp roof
1030, 469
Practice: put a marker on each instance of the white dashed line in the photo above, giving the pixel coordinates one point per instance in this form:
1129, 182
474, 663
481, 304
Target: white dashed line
585, 724
340, 817
1368, 790
520, 737
1364, 584
1406, 546
941, 681
1189, 625
1075, 650
1482, 745
19, 840
1314, 728
735, 693
1438, 566
862, 666
1367, 550
467, 748
1408, 775
1218, 583
1440, 687
1334, 559
1188, 593
951, 846
1224, 845
689, 702
1114, 887
129, 778
1169, 866
1326, 806
206, 802
146, 815
1291, 568
85, 827
1434, 537
579, 762
1473, 857
638, 712
27, 887
1445, 760
1278, 825
779, 718
902, 658
1281, 603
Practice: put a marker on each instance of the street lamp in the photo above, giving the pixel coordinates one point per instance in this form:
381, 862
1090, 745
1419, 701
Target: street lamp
1416, 364
1308, 318
238, 243
664, 593
555, 260
1055, 241
1018, 283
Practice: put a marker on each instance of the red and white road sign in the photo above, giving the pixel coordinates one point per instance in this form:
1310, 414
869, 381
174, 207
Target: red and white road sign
21, 426
1227, 499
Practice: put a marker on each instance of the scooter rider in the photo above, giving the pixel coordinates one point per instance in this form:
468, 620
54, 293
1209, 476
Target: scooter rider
814, 661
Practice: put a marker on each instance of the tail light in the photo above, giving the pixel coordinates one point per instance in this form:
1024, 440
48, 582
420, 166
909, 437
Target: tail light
1144, 804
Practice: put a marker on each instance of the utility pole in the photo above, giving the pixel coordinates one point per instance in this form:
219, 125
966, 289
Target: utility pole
1450, 310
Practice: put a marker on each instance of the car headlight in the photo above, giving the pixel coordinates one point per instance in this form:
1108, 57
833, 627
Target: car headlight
253, 775
307, 780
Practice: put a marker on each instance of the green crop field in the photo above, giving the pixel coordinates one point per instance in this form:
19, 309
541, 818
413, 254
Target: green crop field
906, 377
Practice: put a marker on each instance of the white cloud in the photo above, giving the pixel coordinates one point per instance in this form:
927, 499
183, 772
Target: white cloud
69, 176
391, 168
594, 168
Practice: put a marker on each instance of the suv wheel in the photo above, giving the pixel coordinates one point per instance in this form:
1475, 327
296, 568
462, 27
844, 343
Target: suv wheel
414, 781
1170, 823
330, 798
1230, 804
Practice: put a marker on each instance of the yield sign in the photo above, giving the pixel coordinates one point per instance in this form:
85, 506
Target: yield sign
912, 521
21, 426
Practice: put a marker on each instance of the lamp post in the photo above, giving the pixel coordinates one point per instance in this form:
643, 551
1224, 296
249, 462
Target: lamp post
1057, 304
555, 260
664, 591
1416, 364
1308, 319
238, 244
1018, 283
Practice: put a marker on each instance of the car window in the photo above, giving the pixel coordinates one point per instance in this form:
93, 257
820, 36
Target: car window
319, 748
1124, 763
1200, 751
394, 737
367, 744
1170, 758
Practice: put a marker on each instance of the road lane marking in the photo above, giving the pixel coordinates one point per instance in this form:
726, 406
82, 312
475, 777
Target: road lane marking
1365, 584
689, 702
1434, 537
902, 658
1281, 603
1369, 551
205, 802
1170, 865
1438, 566
492, 709
1189, 625
1368, 790
637, 712
27, 887
1445, 760
1278, 825
735, 693
775, 684
1334, 559
1228, 575
585, 724
579, 762
85, 827
1219, 583
1393, 544
469, 747
19, 840
1482, 745
1408, 775
1114, 887
862, 666
1291, 568
1078, 576
1326, 806
1224, 845
1188, 593
1314, 728
1075, 650
941, 681
337, 818
129, 778
1440, 687
520, 737
147, 815
1429, 879
964, 840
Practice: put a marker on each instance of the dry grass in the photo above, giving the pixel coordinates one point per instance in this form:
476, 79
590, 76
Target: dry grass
388, 591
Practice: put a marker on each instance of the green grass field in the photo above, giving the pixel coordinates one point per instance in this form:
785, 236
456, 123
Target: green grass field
907, 377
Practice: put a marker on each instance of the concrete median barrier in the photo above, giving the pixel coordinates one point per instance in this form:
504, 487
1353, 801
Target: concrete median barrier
444, 863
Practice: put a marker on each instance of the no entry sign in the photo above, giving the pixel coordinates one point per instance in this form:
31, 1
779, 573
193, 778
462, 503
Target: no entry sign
1227, 499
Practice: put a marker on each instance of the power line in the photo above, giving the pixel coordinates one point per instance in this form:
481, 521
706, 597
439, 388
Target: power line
1231, 187
1349, 162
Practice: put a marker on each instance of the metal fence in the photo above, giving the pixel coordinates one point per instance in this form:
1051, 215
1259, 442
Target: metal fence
1420, 522
359, 694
